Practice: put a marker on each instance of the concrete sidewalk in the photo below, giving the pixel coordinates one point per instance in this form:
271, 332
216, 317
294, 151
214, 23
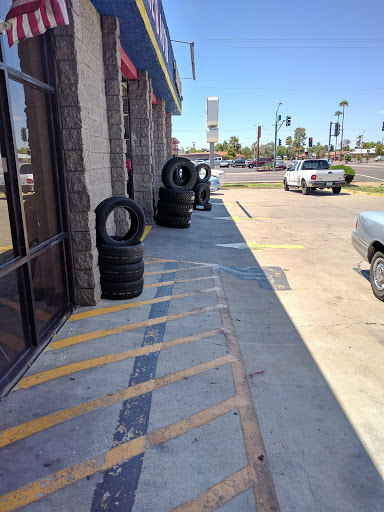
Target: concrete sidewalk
198, 395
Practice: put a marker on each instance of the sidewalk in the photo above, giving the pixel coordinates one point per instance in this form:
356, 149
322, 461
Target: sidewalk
162, 403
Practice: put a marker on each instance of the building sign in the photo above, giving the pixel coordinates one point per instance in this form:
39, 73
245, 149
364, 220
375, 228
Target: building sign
160, 27
177, 78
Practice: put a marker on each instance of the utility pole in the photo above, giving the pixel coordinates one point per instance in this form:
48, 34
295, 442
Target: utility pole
329, 140
277, 119
258, 146
361, 147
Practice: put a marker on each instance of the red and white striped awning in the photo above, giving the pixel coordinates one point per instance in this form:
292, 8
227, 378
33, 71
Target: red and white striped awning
29, 18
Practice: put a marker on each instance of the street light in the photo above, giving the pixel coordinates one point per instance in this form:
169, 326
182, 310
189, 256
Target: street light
276, 119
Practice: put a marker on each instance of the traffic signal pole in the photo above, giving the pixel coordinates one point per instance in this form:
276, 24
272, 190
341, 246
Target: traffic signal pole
329, 140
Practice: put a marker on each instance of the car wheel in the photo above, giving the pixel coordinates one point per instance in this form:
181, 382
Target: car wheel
286, 185
377, 275
250, 166
336, 190
304, 188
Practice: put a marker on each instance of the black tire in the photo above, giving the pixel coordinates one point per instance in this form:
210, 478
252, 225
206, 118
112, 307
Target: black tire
125, 286
110, 254
313, 188
204, 207
250, 166
173, 222
174, 196
336, 190
286, 185
136, 229
208, 172
203, 193
304, 188
376, 275
121, 273
124, 291
174, 208
179, 174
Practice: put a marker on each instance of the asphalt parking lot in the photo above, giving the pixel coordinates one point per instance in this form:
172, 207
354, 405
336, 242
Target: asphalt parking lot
246, 377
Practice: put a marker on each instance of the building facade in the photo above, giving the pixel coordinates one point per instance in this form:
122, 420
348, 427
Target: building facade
86, 113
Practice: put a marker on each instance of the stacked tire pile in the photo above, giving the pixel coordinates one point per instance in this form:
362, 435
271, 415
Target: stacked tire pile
202, 188
175, 205
120, 258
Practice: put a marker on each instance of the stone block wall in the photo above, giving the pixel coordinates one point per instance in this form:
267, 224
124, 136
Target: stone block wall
159, 144
168, 135
140, 100
85, 134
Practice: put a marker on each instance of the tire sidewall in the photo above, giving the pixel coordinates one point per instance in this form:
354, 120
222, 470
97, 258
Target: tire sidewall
136, 229
377, 293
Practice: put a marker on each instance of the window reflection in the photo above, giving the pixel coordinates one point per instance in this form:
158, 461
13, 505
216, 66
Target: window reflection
36, 174
6, 248
12, 343
24, 56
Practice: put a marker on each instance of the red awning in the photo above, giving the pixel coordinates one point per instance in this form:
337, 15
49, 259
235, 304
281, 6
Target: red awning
29, 18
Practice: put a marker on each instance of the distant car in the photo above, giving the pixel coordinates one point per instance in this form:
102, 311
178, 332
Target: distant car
368, 240
199, 161
218, 173
262, 162
225, 163
330, 161
248, 161
280, 164
379, 158
238, 162
215, 184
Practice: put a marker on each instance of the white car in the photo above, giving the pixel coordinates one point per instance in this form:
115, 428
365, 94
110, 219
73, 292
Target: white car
225, 163
312, 174
379, 158
368, 240
218, 173
215, 184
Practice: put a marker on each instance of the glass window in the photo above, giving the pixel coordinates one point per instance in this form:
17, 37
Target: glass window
24, 56
315, 165
30, 117
12, 342
49, 287
6, 247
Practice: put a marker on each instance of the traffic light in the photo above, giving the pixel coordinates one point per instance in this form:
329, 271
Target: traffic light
288, 121
279, 142
331, 148
310, 141
382, 129
306, 153
337, 129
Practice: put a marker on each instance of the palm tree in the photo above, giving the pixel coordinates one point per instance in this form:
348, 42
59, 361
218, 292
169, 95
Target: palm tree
338, 114
343, 104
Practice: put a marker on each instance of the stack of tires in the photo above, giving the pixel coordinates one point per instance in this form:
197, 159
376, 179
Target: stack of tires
202, 188
120, 258
174, 208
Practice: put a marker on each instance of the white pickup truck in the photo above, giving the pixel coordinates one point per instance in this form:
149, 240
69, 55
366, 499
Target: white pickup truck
26, 179
312, 174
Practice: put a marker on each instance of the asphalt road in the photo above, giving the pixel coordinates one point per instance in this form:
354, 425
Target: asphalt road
370, 172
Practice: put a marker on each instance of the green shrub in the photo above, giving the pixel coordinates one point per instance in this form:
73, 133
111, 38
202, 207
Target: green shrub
349, 172
348, 158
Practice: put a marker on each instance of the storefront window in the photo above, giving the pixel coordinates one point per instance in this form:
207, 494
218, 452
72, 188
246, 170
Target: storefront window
26, 55
12, 343
29, 110
6, 248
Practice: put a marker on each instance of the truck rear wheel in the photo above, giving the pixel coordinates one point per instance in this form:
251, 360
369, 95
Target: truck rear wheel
304, 188
336, 190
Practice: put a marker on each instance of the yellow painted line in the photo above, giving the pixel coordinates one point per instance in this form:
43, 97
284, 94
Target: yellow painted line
136, 304
257, 247
221, 493
263, 487
174, 270
196, 420
152, 36
54, 373
7, 248
177, 281
364, 193
242, 204
80, 338
13, 434
40, 488
146, 231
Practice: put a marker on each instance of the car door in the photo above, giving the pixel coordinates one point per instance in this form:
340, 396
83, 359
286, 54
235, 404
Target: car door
291, 174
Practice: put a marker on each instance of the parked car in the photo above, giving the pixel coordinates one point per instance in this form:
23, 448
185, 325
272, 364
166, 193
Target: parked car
238, 162
311, 174
280, 165
218, 173
262, 162
330, 161
368, 240
215, 184
379, 158
225, 163
27, 183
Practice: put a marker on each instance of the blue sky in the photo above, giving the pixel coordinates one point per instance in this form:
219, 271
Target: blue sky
233, 63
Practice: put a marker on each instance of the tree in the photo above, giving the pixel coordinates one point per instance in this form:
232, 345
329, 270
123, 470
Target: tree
193, 150
230, 155
289, 141
343, 104
221, 147
379, 149
299, 138
267, 150
247, 152
234, 143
